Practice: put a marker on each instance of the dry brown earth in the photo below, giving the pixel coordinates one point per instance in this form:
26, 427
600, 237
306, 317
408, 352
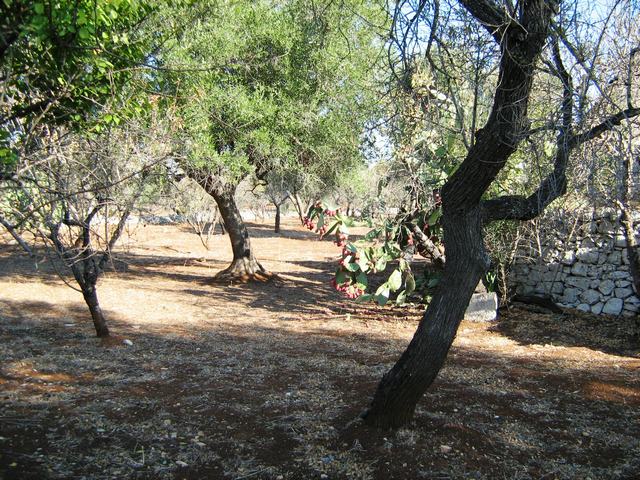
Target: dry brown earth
262, 381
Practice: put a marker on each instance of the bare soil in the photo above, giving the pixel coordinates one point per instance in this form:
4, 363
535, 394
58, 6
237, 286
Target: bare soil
264, 381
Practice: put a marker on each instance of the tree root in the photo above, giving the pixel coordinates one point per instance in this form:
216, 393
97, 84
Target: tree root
244, 271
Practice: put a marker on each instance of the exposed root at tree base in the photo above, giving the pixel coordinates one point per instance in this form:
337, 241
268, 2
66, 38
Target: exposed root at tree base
261, 277
243, 270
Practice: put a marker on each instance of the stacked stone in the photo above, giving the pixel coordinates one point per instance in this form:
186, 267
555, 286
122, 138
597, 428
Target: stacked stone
583, 266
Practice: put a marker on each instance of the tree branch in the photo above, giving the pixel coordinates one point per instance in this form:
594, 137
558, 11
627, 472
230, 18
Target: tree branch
604, 126
11, 229
427, 248
489, 15
511, 207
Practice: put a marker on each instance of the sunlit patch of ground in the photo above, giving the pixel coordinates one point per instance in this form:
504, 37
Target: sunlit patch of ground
263, 381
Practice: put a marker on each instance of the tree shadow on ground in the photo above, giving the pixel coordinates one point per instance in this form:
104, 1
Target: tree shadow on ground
306, 290
234, 400
262, 230
605, 333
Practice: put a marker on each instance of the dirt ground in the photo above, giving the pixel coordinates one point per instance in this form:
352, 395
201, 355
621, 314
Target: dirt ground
263, 381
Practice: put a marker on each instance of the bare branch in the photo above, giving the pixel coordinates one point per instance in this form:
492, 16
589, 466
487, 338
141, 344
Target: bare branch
607, 124
11, 229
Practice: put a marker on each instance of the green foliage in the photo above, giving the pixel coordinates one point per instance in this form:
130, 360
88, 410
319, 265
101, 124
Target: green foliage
271, 84
62, 59
389, 243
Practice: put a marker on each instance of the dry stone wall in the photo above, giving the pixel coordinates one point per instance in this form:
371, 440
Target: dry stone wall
580, 263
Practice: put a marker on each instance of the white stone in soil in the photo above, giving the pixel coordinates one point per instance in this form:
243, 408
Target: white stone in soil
613, 306
597, 308
622, 283
483, 307
584, 307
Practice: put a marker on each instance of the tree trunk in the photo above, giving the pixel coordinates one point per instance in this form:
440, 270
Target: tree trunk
91, 298
276, 228
632, 248
86, 270
298, 206
625, 181
244, 266
402, 387
521, 42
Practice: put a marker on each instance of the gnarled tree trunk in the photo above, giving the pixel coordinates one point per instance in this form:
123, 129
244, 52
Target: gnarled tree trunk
402, 387
86, 270
521, 42
244, 266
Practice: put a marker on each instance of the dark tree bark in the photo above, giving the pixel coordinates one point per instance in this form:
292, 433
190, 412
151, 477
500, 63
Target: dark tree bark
521, 43
276, 227
402, 387
90, 295
244, 266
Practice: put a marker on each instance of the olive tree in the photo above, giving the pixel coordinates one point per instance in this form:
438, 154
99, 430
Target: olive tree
263, 84
535, 40
74, 194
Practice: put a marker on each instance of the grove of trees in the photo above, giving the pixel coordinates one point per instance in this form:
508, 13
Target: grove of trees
439, 122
